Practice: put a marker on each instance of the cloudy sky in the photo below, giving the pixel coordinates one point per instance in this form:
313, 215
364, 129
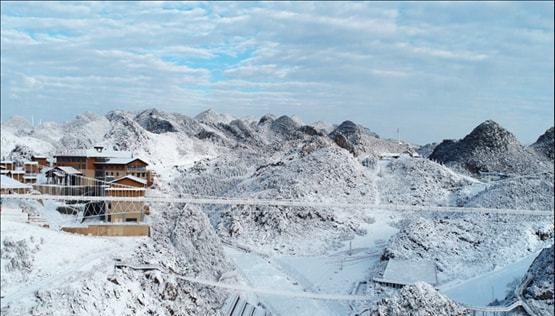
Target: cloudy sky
435, 70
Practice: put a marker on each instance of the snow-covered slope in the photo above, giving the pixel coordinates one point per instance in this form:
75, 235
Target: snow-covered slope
539, 293
418, 182
466, 246
80, 278
531, 193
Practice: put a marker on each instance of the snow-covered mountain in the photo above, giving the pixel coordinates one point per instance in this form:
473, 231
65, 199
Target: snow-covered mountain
280, 157
490, 148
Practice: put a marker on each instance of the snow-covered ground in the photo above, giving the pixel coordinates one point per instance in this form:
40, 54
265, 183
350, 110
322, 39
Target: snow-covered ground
36, 258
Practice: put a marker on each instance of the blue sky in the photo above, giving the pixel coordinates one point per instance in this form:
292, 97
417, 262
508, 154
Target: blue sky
435, 70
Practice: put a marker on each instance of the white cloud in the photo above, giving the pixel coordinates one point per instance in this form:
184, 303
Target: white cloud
369, 61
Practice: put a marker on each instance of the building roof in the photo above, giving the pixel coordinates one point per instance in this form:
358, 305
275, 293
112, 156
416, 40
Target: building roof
30, 163
132, 178
9, 183
17, 171
409, 271
6, 161
66, 170
38, 157
119, 161
125, 189
105, 153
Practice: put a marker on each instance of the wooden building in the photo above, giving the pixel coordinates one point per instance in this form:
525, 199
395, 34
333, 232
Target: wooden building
41, 160
31, 167
105, 165
7, 165
115, 168
17, 174
30, 179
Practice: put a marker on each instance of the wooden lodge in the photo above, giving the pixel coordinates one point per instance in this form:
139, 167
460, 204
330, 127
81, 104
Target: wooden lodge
105, 165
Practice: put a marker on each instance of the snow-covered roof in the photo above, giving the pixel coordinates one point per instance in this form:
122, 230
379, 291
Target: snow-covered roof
6, 162
9, 183
38, 157
18, 171
105, 153
30, 163
67, 170
409, 271
119, 161
132, 178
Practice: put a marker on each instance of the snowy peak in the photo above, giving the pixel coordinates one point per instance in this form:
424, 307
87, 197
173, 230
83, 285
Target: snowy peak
489, 148
153, 121
352, 131
125, 133
266, 119
284, 125
490, 134
545, 144
212, 117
